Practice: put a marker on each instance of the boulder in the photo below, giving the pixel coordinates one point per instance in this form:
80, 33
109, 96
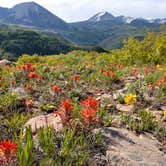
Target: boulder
118, 93
19, 91
43, 121
125, 108
126, 148
103, 97
5, 62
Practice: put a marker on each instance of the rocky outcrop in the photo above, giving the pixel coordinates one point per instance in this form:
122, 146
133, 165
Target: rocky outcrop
5, 62
126, 148
43, 121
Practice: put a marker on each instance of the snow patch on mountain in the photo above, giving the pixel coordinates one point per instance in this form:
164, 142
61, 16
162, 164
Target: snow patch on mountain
98, 17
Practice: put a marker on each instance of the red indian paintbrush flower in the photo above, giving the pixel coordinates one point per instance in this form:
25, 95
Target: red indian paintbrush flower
7, 149
29, 103
32, 75
28, 87
66, 104
106, 73
76, 77
90, 103
28, 67
64, 111
152, 86
89, 115
12, 83
89, 111
55, 88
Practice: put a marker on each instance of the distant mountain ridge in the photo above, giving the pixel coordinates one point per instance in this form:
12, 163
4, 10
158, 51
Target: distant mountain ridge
106, 16
102, 29
32, 14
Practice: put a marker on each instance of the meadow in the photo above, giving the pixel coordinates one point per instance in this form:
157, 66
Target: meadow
84, 91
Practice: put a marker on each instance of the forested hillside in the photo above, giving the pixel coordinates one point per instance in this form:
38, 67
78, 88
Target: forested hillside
15, 41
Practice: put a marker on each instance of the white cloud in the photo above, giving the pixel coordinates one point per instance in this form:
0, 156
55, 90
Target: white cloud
75, 10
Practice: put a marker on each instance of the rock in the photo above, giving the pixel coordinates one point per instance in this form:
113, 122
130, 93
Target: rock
116, 122
157, 115
163, 107
5, 62
19, 91
44, 121
100, 160
125, 148
105, 100
107, 97
118, 93
130, 79
149, 98
164, 119
125, 108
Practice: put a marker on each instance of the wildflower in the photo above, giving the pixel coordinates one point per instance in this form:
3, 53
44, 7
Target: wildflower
32, 69
163, 78
26, 67
66, 104
122, 78
29, 103
158, 66
152, 86
89, 111
112, 66
20, 68
130, 99
113, 75
147, 71
106, 73
89, 115
52, 68
7, 149
109, 73
64, 111
164, 112
32, 75
90, 103
12, 83
76, 77
55, 88
39, 77
28, 87
159, 82
101, 69
161, 68
119, 66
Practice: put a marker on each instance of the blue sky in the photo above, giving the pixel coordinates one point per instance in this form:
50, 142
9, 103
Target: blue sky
77, 10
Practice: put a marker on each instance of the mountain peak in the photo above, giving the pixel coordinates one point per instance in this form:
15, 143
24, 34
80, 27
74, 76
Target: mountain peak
32, 14
101, 16
28, 3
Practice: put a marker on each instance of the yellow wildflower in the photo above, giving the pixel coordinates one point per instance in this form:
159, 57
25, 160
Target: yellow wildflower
158, 66
130, 99
161, 68
164, 112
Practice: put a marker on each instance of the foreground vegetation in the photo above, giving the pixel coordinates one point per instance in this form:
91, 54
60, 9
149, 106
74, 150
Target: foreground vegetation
71, 86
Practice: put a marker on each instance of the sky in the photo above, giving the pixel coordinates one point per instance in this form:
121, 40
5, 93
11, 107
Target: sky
78, 10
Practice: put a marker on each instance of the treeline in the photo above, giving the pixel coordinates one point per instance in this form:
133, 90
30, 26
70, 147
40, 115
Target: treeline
151, 50
16, 41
